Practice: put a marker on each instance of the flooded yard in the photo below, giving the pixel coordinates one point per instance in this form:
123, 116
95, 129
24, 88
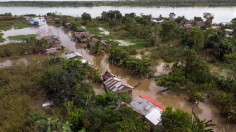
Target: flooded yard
103, 31
147, 87
124, 43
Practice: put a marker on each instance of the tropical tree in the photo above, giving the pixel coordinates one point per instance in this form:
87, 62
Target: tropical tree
193, 38
167, 30
181, 121
86, 17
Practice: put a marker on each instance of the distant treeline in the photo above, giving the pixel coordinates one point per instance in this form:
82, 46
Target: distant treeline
122, 3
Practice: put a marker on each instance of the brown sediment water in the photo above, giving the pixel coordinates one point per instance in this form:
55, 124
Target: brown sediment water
147, 87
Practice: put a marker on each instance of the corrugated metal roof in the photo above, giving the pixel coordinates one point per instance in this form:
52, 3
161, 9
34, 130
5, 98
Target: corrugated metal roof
148, 108
153, 102
154, 116
116, 85
72, 55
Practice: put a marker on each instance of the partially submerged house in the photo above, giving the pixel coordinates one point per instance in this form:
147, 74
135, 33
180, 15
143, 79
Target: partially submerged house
101, 44
200, 24
116, 85
187, 25
229, 33
51, 50
158, 21
73, 55
47, 104
81, 37
54, 40
36, 21
107, 75
149, 109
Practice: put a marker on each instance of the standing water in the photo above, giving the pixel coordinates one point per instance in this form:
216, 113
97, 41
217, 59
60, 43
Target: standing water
147, 87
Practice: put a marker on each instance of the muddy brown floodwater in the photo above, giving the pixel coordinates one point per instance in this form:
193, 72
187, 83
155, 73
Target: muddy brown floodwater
147, 87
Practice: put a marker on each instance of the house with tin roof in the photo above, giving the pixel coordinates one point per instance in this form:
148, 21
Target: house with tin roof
112, 83
149, 109
72, 55
81, 37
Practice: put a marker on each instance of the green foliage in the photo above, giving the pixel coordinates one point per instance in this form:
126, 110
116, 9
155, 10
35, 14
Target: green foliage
198, 19
29, 46
118, 56
74, 116
112, 99
19, 84
226, 104
9, 21
218, 45
176, 120
22, 37
174, 81
86, 17
139, 67
193, 38
167, 31
1, 39
84, 95
231, 57
195, 68
181, 121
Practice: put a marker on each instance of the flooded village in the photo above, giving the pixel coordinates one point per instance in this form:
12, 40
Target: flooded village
125, 62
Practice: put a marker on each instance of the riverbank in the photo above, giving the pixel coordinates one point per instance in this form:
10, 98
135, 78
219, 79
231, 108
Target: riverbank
182, 3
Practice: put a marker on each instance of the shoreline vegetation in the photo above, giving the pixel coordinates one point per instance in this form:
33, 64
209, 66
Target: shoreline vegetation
143, 3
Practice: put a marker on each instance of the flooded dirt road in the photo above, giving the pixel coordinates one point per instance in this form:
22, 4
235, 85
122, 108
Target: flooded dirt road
147, 87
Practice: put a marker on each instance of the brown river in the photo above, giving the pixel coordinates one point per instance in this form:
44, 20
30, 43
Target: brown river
147, 87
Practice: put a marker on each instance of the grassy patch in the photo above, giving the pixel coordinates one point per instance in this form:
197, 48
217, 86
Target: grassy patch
167, 53
116, 33
21, 37
21, 25
7, 22
94, 30
1, 39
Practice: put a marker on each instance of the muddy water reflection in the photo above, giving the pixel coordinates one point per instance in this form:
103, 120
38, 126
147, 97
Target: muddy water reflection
41, 31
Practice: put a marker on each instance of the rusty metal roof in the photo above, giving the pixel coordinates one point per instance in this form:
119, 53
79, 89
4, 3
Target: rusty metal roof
116, 85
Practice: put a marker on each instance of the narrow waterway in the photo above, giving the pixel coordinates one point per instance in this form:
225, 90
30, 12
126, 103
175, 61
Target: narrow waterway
147, 87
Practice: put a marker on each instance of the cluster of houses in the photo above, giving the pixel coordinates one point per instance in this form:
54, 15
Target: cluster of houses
197, 23
82, 37
148, 108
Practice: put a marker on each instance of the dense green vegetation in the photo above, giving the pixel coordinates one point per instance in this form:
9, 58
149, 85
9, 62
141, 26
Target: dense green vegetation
123, 3
191, 49
76, 107
140, 67
28, 46
1, 39
7, 21
22, 37
174, 121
